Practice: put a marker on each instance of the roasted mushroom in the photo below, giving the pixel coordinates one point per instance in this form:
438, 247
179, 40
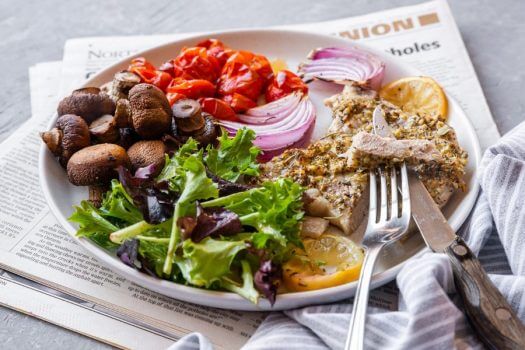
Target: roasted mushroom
209, 132
189, 120
70, 134
121, 84
104, 129
89, 103
123, 114
188, 116
95, 165
144, 153
150, 111
128, 137
96, 194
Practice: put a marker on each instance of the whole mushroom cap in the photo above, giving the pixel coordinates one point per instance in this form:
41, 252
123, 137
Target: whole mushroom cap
70, 134
89, 103
144, 153
95, 165
150, 111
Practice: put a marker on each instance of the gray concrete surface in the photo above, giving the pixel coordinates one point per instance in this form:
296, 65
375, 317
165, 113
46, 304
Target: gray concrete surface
35, 31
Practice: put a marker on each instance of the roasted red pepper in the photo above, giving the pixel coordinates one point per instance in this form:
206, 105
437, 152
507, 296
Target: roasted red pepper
284, 83
174, 97
195, 63
217, 108
148, 73
216, 49
225, 81
194, 89
239, 103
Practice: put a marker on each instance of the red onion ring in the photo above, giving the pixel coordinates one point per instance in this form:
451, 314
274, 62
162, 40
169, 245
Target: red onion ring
343, 65
286, 122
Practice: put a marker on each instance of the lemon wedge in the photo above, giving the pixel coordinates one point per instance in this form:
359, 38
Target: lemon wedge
328, 261
421, 95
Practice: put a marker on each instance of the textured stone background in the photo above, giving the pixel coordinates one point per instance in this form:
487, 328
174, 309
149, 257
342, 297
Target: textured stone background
35, 31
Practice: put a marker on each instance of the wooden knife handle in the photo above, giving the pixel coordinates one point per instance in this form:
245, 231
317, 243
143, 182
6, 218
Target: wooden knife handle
491, 316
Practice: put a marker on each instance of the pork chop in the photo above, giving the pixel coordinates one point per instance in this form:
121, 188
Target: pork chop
371, 150
332, 192
337, 187
352, 111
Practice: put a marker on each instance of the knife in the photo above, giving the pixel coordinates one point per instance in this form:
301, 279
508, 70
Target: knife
494, 320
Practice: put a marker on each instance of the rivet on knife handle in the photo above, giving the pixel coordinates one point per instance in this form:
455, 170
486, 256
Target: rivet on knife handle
493, 318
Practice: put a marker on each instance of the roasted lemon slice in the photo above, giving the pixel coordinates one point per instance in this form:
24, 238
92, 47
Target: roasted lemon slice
421, 95
328, 261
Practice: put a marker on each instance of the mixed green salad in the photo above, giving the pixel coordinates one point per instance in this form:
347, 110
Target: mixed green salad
199, 222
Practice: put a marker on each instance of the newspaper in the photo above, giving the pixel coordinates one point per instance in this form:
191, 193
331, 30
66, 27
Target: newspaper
55, 279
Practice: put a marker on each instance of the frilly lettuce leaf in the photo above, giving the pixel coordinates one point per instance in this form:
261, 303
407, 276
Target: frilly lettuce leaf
93, 225
207, 262
234, 157
275, 210
118, 204
195, 185
247, 288
173, 166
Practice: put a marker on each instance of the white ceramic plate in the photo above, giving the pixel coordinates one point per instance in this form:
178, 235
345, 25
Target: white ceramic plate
293, 47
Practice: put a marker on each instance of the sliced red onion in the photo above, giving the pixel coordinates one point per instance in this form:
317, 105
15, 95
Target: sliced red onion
271, 112
343, 65
286, 122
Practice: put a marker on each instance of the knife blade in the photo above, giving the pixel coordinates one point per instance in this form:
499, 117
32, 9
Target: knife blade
433, 226
494, 320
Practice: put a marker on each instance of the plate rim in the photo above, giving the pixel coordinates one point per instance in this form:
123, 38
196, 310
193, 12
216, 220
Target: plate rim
232, 300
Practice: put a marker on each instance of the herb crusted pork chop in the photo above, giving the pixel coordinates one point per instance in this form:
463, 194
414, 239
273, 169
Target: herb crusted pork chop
337, 180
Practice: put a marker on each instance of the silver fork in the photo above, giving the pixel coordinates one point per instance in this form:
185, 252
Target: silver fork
379, 233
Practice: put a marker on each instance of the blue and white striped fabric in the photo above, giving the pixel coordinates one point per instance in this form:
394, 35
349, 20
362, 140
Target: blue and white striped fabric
428, 316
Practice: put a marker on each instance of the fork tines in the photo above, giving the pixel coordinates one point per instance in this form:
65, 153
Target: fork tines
387, 198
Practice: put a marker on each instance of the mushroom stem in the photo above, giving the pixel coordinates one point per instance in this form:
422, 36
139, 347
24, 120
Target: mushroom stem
96, 194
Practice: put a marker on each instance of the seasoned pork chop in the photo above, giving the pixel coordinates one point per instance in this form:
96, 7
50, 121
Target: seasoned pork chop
333, 191
370, 150
352, 112
337, 186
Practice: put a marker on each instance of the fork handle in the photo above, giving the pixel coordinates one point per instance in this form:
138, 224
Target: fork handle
492, 317
356, 335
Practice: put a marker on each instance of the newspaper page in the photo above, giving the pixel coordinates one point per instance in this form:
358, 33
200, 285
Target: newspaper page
34, 245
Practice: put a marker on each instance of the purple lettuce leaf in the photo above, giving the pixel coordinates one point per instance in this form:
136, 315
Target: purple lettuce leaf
227, 187
154, 199
267, 279
128, 251
210, 222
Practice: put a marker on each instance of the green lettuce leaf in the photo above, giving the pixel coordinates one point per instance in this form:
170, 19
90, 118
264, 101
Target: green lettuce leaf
247, 288
118, 204
172, 170
195, 185
154, 254
275, 210
207, 262
93, 225
234, 157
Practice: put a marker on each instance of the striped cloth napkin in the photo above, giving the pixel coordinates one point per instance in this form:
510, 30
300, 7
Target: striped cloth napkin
428, 315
